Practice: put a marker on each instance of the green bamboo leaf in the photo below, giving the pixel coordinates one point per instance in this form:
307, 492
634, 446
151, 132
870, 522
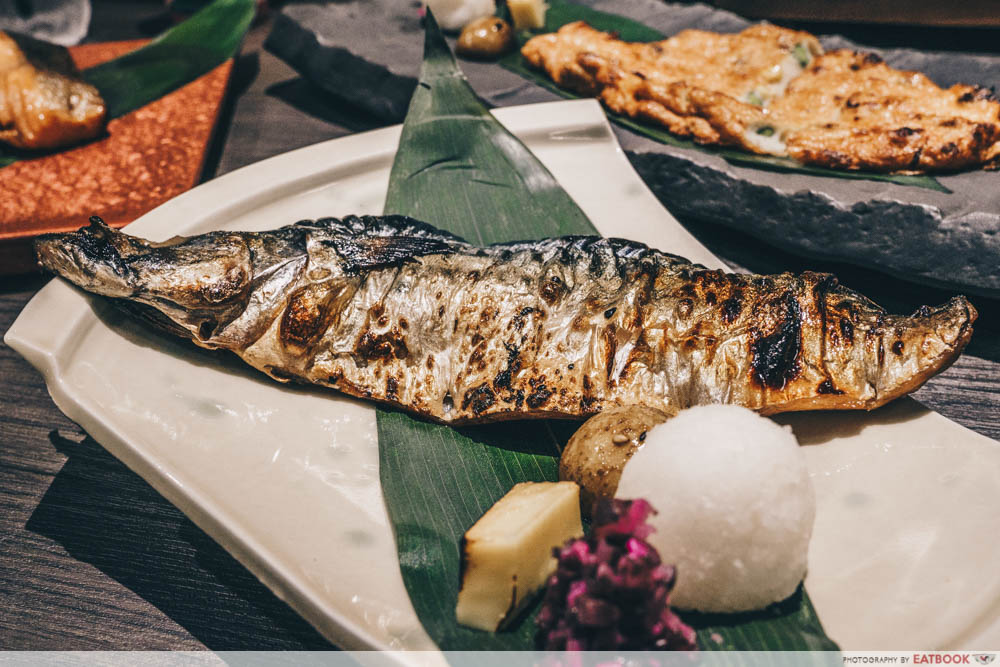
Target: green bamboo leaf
451, 143
561, 12
178, 56
460, 169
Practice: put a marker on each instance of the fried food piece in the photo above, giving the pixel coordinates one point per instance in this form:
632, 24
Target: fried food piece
852, 111
772, 91
43, 102
699, 84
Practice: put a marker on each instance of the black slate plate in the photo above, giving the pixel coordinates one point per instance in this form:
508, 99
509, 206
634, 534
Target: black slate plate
368, 52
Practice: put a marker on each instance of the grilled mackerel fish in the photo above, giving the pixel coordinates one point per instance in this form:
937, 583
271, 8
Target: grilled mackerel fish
396, 311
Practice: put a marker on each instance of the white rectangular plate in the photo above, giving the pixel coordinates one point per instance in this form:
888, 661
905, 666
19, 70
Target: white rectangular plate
286, 479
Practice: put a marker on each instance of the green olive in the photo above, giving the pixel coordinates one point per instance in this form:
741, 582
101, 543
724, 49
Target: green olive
488, 37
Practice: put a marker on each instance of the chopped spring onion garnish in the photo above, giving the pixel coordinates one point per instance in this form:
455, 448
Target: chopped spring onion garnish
801, 54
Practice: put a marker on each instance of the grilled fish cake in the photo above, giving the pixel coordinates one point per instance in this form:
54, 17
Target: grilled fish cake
772, 91
393, 310
43, 102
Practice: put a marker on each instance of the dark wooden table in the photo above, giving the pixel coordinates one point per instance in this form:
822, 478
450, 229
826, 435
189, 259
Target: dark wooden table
92, 558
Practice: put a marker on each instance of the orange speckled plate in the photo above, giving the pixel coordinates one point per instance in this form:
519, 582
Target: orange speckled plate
147, 157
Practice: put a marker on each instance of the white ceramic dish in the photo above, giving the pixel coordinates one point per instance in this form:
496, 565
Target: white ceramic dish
286, 479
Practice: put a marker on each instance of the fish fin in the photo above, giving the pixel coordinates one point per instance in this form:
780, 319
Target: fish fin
152, 317
382, 225
403, 225
376, 252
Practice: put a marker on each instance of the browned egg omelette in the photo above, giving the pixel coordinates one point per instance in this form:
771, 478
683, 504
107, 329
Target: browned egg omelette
773, 91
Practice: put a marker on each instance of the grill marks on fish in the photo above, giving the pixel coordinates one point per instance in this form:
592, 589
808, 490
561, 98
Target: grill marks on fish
309, 313
393, 310
826, 387
479, 399
382, 347
775, 357
97, 249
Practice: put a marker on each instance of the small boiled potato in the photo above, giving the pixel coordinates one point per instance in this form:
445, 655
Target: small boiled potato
596, 454
485, 38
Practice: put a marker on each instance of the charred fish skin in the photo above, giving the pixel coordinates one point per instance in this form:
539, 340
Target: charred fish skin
393, 310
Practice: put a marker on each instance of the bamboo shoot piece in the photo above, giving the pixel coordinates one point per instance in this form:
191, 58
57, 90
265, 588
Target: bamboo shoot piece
507, 554
527, 14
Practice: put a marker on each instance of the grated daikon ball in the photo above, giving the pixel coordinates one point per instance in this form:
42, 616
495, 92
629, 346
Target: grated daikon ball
734, 504
455, 14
